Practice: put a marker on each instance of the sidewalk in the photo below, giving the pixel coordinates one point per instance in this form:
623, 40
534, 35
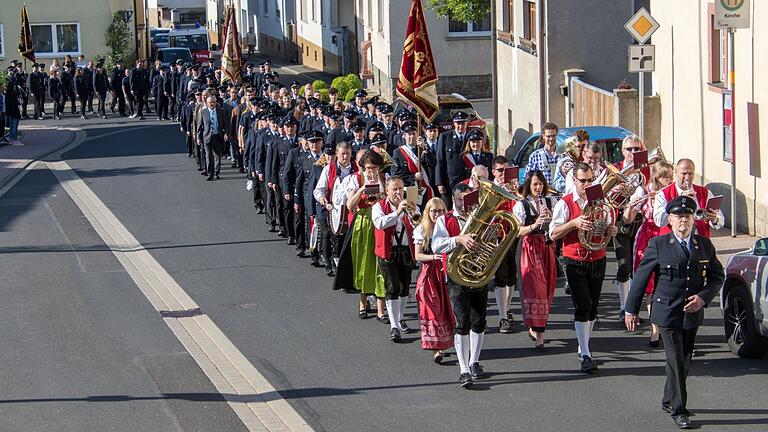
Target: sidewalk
38, 142
727, 246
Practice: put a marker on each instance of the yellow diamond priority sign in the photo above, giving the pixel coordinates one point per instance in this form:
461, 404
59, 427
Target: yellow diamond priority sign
642, 25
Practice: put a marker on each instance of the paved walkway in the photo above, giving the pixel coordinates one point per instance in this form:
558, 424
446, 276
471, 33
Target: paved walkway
38, 141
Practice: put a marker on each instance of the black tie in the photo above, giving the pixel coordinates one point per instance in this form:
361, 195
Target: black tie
684, 245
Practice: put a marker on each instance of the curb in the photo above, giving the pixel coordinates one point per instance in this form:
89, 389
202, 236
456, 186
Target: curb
18, 172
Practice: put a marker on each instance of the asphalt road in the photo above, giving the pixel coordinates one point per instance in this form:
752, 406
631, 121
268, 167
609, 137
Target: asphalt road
83, 350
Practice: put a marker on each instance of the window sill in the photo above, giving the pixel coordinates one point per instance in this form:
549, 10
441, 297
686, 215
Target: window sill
56, 55
468, 36
505, 38
528, 47
717, 87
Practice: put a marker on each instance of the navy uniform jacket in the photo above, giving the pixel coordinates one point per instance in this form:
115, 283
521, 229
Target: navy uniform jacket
263, 143
37, 83
306, 182
116, 80
251, 139
310, 123
429, 163
277, 157
676, 279
450, 168
290, 172
335, 136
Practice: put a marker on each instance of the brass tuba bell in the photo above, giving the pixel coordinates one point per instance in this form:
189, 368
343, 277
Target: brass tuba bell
494, 231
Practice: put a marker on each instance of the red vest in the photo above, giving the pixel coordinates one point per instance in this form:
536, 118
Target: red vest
383, 248
702, 194
571, 246
454, 229
332, 174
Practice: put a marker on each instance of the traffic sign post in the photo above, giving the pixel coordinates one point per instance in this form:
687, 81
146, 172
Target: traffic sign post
732, 14
641, 57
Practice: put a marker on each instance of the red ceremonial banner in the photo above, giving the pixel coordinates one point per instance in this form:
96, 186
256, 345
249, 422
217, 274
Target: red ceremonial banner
418, 76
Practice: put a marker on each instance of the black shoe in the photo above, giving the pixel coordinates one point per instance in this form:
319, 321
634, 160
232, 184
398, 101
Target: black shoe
404, 326
199, 169
683, 422
654, 343
330, 272
234, 165
511, 318
205, 173
259, 210
587, 365
465, 380
382, 319
394, 335
667, 407
241, 170
505, 326
272, 229
315, 263
568, 289
476, 371
363, 314
301, 253
291, 241
209, 178
282, 234
217, 177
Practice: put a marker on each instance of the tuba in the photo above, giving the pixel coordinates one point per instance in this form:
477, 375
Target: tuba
629, 176
494, 230
596, 238
572, 152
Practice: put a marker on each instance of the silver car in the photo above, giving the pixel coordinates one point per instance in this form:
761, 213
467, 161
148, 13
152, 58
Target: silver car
744, 301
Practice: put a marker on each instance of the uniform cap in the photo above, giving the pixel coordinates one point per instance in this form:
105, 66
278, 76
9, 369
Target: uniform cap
475, 134
379, 140
431, 126
361, 93
409, 127
681, 205
314, 135
460, 116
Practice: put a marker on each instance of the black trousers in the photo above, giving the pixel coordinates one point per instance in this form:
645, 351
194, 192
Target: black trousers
624, 248
324, 241
69, 94
257, 197
131, 101
102, 104
288, 216
299, 228
213, 150
678, 348
190, 145
586, 282
24, 103
506, 274
172, 107
279, 205
83, 103
89, 99
118, 98
397, 272
162, 107
57, 107
469, 306
140, 103
39, 105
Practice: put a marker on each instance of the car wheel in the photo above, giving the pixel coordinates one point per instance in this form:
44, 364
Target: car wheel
741, 330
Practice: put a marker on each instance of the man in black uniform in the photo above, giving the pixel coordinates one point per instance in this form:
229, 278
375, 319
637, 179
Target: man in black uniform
429, 154
450, 169
101, 87
278, 164
139, 88
88, 71
68, 82
305, 186
187, 127
37, 87
688, 276
261, 149
288, 177
116, 84
253, 126
358, 140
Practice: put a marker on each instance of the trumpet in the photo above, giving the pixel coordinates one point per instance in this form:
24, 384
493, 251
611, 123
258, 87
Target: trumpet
702, 215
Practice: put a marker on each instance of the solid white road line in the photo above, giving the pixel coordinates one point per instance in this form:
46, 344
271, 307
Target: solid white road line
241, 385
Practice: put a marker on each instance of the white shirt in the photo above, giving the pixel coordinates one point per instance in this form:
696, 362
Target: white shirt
569, 181
322, 183
519, 209
442, 242
660, 209
383, 221
561, 215
418, 235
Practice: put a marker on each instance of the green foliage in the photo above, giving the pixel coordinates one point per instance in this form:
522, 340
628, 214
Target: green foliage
118, 38
3, 78
301, 91
350, 96
319, 84
323, 93
340, 84
461, 10
489, 130
353, 82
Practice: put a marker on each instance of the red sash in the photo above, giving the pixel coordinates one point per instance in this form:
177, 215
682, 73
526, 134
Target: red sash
571, 246
383, 245
670, 193
469, 162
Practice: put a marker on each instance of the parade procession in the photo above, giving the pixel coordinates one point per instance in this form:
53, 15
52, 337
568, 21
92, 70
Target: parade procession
282, 243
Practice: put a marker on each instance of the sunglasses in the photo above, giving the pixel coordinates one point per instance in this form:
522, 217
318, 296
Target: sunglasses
633, 149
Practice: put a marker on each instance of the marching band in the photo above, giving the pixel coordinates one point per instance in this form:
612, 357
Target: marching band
368, 198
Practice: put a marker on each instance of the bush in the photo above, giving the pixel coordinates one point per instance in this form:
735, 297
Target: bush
353, 82
324, 94
319, 84
340, 84
301, 91
350, 96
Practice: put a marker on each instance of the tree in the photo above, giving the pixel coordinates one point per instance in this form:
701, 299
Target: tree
118, 39
461, 10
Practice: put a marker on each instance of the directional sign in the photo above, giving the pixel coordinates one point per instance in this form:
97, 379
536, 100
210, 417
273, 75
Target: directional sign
642, 25
732, 13
642, 58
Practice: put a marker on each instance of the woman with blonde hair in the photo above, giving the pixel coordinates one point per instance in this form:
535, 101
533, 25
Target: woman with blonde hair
436, 320
662, 174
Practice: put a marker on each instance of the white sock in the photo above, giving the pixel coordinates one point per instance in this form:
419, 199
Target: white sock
621, 287
508, 304
591, 328
461, 343
502, 300
475, 346
393, 309
403, 304
582, 335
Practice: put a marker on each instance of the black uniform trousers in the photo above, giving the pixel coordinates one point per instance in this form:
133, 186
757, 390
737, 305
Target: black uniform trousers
624, 247
397, 272
57, 106
288, 215
39, 104
324, 241
269, 204
83, 102
276, 196
299, 228
190, 145
678, 348
69, 94
257, 196
102, 104
470, 306
586, 282
141, 100
118, 98
162, 107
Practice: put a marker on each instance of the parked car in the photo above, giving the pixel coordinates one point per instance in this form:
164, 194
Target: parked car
609, 137
158, 30
168, 56
743, 301
159, 40
452, 103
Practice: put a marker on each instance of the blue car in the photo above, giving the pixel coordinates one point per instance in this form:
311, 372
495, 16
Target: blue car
609, 137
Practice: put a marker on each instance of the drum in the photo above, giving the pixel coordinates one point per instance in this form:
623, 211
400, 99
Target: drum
338, 220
